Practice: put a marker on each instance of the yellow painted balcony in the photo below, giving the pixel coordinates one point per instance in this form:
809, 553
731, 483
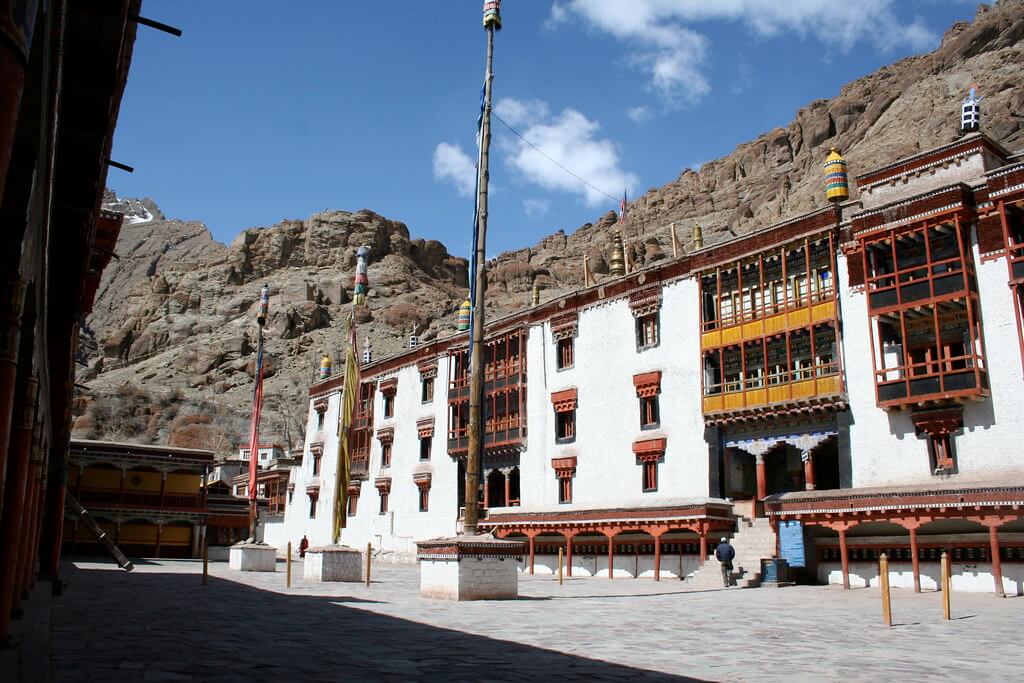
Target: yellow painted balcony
772, 324
803, 388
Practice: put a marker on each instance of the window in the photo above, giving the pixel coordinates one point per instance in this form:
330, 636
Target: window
650, 474
351, 504
317, 454
427, 390
424, 498
389, 405
647, 331
565, 353
319, 420
565, 426
565, 489
385, 455
383, 485
312, 505
425, 447
384, 501
649, 418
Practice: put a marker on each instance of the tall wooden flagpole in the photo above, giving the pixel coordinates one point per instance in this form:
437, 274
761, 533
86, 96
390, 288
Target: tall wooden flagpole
257, 408
492, 20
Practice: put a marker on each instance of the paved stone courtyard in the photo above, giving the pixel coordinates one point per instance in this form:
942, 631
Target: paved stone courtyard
159, 623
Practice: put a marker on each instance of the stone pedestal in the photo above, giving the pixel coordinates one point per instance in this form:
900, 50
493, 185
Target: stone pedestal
333, 563
252, 557
469, 568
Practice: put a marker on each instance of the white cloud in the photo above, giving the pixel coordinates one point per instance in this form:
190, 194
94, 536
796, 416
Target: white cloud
572, 140
640, 114
455, 166
673, 55
533, 206
521, 112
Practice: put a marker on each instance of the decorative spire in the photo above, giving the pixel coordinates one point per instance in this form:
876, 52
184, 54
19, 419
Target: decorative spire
413, 339
362, 283
535, 294
617, 266
970, 112
698, 236
325, 367
492, 14
261, 314
837, 183
463, 320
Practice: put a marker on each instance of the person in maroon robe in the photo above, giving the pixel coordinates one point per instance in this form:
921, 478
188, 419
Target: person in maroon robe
303, 544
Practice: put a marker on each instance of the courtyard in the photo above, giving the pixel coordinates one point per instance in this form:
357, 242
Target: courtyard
159, 623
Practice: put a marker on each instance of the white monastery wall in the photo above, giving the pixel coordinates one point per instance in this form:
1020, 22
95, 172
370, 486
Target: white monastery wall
961, 170
966, 578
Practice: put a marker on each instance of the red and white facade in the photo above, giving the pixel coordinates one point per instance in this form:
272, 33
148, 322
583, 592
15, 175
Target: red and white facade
857, 369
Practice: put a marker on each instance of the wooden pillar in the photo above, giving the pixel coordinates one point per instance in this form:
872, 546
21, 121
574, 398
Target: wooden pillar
487, 496
844, 554
657, 557
703, 548
12, 297
611, 552
163, 487
508, 487
532, 536
120, 486
762, 482
915, 560
195, 542
569, 535
30, 531
16, 519
159, 532
808, 471
997, 562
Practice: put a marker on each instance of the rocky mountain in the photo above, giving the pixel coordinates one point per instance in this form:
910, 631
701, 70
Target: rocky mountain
167, 354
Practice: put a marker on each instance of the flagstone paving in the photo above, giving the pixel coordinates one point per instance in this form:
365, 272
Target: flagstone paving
159, 623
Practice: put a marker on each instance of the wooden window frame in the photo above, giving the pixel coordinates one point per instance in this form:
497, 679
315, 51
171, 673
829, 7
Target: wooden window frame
565, 353
648, 331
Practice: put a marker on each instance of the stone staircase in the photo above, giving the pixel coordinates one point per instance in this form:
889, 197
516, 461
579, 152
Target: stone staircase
753, 541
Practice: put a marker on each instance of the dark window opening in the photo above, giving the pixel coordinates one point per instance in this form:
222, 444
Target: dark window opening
565, 353
565, 426
649, 416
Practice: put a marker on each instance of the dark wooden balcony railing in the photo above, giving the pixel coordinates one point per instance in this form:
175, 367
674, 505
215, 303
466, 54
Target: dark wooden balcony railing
942, 378
113, 499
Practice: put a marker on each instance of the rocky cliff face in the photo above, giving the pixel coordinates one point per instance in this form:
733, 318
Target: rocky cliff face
173, 324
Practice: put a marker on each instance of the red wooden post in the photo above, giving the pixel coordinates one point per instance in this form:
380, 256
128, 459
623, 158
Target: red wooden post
703, 548
611, 553
657, 557
159, 532
531, 534
997, 562
762, 482
809, 473
487, 497
508, 488
844, 555
569, 535
915, 560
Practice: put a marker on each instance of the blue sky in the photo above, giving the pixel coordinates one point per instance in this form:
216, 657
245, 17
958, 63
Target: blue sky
261, 112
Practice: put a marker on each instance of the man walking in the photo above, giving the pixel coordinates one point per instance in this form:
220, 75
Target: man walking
725, 554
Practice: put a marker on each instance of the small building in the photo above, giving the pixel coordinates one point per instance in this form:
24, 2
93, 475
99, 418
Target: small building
149, 499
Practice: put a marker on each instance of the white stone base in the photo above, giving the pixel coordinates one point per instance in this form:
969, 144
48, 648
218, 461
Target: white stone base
252, 557
469, 568
333, 563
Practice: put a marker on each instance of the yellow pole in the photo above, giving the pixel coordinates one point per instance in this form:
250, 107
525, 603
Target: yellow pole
675, 243
206, 563
883, 571
288, 567
559, 566
945, 584
369, 549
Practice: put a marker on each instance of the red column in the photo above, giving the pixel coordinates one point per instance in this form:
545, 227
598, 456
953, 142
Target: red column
915, 560
487, 495
30, 526
997, 562
762, 482
120, 487
569, 535
844, 555
611, 553
703, 548
657, 557
508, 488
809, 473
12, 291
14, 515
12, 81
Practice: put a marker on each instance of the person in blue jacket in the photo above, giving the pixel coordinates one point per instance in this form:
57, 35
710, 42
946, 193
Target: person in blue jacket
725, 554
